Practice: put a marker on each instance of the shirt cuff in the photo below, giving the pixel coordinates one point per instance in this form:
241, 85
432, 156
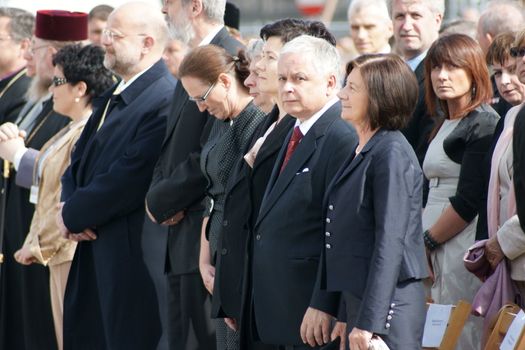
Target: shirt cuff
18, 157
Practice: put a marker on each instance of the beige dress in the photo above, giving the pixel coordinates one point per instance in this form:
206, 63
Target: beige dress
44, 239
452, 281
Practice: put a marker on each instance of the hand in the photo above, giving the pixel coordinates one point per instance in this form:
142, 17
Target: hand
175, 219
430, 267
24, 256
86, 235
359, 339
64, 232
208, 276
315, 328
9, 148
10, 131
231, 322
493, 252
339, 331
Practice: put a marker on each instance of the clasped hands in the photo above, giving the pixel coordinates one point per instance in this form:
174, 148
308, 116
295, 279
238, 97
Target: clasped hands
11, 140
86, 235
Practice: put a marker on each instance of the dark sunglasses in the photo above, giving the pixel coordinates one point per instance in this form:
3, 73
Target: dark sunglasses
59, 81
517, 51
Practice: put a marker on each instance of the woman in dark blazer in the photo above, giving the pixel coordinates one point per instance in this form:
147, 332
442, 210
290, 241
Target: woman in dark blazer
374, 252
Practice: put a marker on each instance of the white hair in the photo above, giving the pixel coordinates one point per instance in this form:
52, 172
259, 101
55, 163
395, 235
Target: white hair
323, 56
501, 17
436, 6
380, 7
214, 9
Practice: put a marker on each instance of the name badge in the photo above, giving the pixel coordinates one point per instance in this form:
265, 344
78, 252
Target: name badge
33, 195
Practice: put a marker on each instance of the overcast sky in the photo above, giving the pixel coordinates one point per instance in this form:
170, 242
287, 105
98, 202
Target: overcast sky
71, 5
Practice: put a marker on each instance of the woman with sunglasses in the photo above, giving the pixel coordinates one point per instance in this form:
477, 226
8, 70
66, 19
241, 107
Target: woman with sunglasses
79, 76
214, 80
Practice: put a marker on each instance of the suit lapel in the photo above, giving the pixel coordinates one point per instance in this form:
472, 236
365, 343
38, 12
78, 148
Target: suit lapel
180, 99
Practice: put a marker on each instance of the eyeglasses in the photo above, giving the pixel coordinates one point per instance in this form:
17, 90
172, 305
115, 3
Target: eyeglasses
33, 49
110, 35
517, 51
59, 81
203, 97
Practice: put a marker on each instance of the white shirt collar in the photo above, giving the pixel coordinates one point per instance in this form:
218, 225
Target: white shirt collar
208, 38
307, 124
414, 62
124, 84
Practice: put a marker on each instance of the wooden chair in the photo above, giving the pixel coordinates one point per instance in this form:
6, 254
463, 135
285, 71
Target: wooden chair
505, 317
456, 322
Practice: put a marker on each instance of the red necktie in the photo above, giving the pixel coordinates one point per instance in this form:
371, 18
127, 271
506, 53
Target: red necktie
292, 145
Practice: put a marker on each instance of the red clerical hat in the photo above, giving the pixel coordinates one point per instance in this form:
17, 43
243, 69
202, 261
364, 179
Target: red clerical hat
61, 25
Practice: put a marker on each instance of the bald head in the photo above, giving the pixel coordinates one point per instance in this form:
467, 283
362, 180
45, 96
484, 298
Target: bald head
134, 39
142, 18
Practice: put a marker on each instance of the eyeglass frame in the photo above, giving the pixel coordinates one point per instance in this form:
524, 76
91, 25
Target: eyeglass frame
33, 49
203, 98
58, 81
111, 35
517, 52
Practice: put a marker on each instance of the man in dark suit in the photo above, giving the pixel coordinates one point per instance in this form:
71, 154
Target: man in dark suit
178, 185
110, 300
416, 27
288, 309
16, 27
25, 289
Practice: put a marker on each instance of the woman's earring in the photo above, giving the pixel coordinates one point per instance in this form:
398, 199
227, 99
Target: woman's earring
77, 99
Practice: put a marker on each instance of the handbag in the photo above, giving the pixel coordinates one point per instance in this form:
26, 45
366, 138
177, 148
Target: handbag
476, 262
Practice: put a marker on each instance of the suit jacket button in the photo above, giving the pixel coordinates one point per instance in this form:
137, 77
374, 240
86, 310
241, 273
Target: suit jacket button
224, 251
225, 223
391, 312
258, 237
331, 207
387, 325
392, 305
327, 234
327, 220
328, 246
389, 317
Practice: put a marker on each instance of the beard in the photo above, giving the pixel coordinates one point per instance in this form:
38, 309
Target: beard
38, 88
122, 64
180, 28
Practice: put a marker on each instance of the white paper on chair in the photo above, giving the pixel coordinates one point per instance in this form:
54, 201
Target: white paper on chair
436, 324
514, 332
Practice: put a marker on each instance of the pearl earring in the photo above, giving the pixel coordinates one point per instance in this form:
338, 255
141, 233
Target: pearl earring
77, 99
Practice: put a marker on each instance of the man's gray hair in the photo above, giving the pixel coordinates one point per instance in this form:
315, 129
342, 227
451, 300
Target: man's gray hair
380, 6
436, 6
214, 9
21, 23
323, 56
500, 17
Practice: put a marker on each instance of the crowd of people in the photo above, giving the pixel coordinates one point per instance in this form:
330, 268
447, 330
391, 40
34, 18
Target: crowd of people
168, 184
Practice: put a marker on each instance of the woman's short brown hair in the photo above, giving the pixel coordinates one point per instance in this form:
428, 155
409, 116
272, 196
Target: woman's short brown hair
207, 62
392, 89
499, 49
457, 50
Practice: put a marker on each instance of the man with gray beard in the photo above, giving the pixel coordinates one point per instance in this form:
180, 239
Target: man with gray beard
110, 301
177, 190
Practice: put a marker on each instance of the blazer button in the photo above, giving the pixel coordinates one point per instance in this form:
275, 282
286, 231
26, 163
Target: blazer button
331, 207
327, 234
391, 312
393, 305
387, 325
225, 223
389, 317
328, 246
224, 251
258, 237
327, 220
